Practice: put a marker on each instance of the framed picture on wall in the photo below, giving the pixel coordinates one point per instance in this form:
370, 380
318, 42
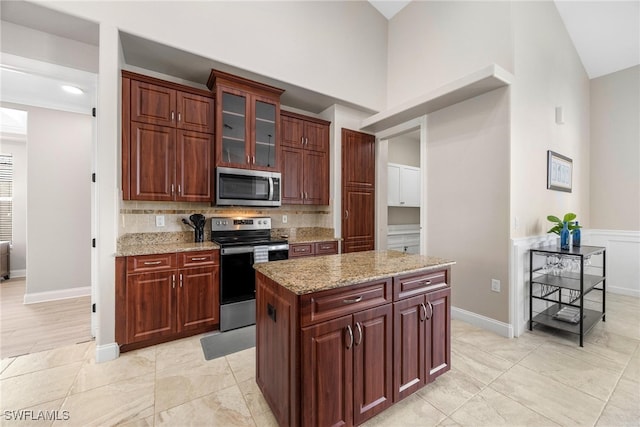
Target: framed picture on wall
559, 172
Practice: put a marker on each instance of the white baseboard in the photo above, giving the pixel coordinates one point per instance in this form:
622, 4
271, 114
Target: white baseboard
623, 291
17, 273
500, 328
37, 297
105, 353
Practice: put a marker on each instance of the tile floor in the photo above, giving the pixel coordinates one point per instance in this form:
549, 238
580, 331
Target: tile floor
539, 379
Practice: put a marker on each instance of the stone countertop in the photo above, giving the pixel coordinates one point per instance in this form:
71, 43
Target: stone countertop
312, 239
164, 248
312, 274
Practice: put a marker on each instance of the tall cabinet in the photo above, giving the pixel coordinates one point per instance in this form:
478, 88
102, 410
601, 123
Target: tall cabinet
247, 122
305, 159
167, 140
358, 191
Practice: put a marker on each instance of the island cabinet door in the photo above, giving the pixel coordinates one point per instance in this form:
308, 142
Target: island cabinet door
409, 316
373, 366
327, 373
438, 333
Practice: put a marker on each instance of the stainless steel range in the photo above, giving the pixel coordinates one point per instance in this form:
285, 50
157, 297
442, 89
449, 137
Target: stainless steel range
243, 242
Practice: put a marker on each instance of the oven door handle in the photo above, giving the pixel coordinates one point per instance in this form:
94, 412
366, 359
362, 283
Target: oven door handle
237, 250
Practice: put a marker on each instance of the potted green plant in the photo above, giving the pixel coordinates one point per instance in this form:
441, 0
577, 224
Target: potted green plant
568, 218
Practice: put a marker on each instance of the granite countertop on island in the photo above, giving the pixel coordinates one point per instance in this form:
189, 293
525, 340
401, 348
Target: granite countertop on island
311, 274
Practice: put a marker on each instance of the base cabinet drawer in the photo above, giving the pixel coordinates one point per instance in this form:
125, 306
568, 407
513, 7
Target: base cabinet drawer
313, 248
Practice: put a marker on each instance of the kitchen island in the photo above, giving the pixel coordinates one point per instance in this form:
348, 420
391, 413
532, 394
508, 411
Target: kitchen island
340, 338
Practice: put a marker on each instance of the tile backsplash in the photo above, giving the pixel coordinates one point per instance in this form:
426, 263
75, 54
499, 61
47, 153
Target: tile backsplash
140, 217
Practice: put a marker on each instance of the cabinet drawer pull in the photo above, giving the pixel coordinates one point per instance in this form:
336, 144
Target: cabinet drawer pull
350, 332
423, 314
199, 259
359, 329
352, 300
426, 282
152, 262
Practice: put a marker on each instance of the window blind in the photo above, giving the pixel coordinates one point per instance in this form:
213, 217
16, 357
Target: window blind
6, 196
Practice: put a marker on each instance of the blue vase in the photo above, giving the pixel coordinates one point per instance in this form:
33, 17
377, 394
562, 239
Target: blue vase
576, 236
564, 236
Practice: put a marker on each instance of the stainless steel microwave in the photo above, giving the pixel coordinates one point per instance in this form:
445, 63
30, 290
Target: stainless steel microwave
244, 187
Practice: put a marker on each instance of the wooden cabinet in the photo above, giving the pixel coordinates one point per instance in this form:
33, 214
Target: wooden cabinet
313, 248
305, 159
422, 331
403, 185
341, 356
165, 296
347, 368
358, 191
247, 122
167, 142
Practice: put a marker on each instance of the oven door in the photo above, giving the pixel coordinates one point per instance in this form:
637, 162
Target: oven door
237, 288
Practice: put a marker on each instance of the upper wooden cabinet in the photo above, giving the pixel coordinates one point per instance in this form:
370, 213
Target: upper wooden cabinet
247, 122
164, 106
167, 141
305, 159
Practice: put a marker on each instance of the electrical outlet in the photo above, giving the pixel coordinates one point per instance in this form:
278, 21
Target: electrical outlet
495, 285
159, 220
284, 219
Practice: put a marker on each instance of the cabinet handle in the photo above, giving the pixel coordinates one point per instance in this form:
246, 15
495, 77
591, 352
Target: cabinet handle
199, 259
179, 117
172, 189
301, 195
152, 262
253, 159
302, 140
423, 315
173, 116
359, 328
426, 282
306, 196
179, 189
173, 281
306, 141
346, 214
430, 309
350, 332
248, 159
352, 300
180, 279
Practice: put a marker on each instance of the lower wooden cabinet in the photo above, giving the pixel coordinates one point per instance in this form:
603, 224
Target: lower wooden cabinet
347, 368
341, 356
422, 342
297, 250
166, 296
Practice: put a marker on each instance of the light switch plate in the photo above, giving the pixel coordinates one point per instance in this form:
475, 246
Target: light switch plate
159, 220
495, 285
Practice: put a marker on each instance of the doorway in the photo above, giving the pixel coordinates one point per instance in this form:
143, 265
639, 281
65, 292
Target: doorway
47, 300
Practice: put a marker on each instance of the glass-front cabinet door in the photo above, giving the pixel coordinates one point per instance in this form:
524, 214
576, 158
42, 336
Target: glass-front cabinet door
247, 122
233, 149
265, 134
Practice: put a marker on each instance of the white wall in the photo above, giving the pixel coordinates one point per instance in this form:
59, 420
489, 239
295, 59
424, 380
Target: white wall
548, 74
334, 48
432, 43
30, 43
615, 150
18, 148
468, 199
58, 202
